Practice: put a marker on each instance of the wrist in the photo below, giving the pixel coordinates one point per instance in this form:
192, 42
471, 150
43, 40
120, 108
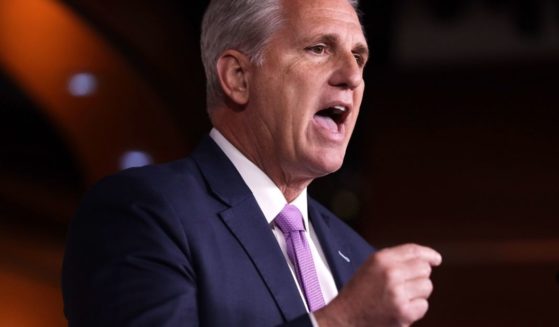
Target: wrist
332, 315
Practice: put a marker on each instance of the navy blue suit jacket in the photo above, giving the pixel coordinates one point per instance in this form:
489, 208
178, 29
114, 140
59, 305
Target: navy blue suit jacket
185, 244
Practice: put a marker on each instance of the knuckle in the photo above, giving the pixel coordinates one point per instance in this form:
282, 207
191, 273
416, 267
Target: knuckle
425, 268
380, 257
397, 294
415, 310
413, 249
429, 287
421, 309
429, 284
421, 268
403, 313
391, 275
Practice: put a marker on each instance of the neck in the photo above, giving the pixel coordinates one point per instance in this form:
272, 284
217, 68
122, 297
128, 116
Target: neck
250, 146
290, 186
290, 193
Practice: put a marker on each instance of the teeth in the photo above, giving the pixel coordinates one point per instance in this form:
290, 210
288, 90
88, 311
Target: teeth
340, 108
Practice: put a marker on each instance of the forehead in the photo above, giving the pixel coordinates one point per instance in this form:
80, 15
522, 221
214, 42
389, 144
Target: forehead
322, 16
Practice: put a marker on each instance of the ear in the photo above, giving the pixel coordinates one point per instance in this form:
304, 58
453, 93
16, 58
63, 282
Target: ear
232, 69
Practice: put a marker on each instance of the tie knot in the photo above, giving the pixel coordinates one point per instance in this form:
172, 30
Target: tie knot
290, 219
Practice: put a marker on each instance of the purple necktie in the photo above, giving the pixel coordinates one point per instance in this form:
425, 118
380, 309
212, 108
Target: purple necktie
290, 222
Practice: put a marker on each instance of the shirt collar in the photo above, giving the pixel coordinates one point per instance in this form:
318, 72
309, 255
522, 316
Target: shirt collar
268, 196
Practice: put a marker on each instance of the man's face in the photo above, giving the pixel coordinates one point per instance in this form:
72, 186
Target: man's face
305, 97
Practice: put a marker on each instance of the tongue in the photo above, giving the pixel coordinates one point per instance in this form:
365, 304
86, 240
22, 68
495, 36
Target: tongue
326, 122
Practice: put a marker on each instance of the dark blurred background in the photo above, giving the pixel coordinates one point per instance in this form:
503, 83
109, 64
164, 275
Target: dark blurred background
457, 146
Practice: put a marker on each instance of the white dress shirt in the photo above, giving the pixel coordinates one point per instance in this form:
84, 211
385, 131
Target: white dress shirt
271, 201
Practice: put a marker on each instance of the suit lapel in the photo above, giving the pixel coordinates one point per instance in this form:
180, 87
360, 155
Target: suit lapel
335, 249
255, 235
245, 220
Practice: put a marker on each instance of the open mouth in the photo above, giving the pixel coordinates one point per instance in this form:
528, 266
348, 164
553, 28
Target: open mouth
334, 116
336, 113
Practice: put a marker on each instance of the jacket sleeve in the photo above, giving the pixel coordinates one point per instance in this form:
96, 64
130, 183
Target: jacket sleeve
127, 260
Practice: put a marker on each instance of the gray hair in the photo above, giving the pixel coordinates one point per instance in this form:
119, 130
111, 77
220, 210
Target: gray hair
243, 25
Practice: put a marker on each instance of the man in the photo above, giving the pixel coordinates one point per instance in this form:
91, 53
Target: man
207, 240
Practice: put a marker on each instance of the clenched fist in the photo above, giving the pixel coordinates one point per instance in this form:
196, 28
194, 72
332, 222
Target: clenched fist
390, 289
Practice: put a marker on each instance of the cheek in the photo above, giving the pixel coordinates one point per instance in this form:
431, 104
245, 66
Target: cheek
357, 102
298, 98
359, 92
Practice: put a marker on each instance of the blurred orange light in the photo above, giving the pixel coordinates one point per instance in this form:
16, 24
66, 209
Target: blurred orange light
42, 45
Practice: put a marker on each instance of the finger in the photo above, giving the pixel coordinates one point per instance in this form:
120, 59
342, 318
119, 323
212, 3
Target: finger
415, 268
420, 288
413, 251
414, 310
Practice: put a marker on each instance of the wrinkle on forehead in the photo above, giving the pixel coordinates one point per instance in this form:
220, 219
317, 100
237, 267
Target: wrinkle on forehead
320, 12
304, 8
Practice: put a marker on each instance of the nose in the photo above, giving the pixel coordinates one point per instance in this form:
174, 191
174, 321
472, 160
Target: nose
348, 74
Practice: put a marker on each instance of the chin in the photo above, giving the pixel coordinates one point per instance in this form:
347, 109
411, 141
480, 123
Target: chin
326, 165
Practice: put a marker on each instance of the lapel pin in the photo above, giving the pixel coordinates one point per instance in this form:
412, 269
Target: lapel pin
343, 256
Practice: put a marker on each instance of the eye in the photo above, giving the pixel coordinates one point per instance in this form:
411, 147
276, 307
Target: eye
318, 49
359, 59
